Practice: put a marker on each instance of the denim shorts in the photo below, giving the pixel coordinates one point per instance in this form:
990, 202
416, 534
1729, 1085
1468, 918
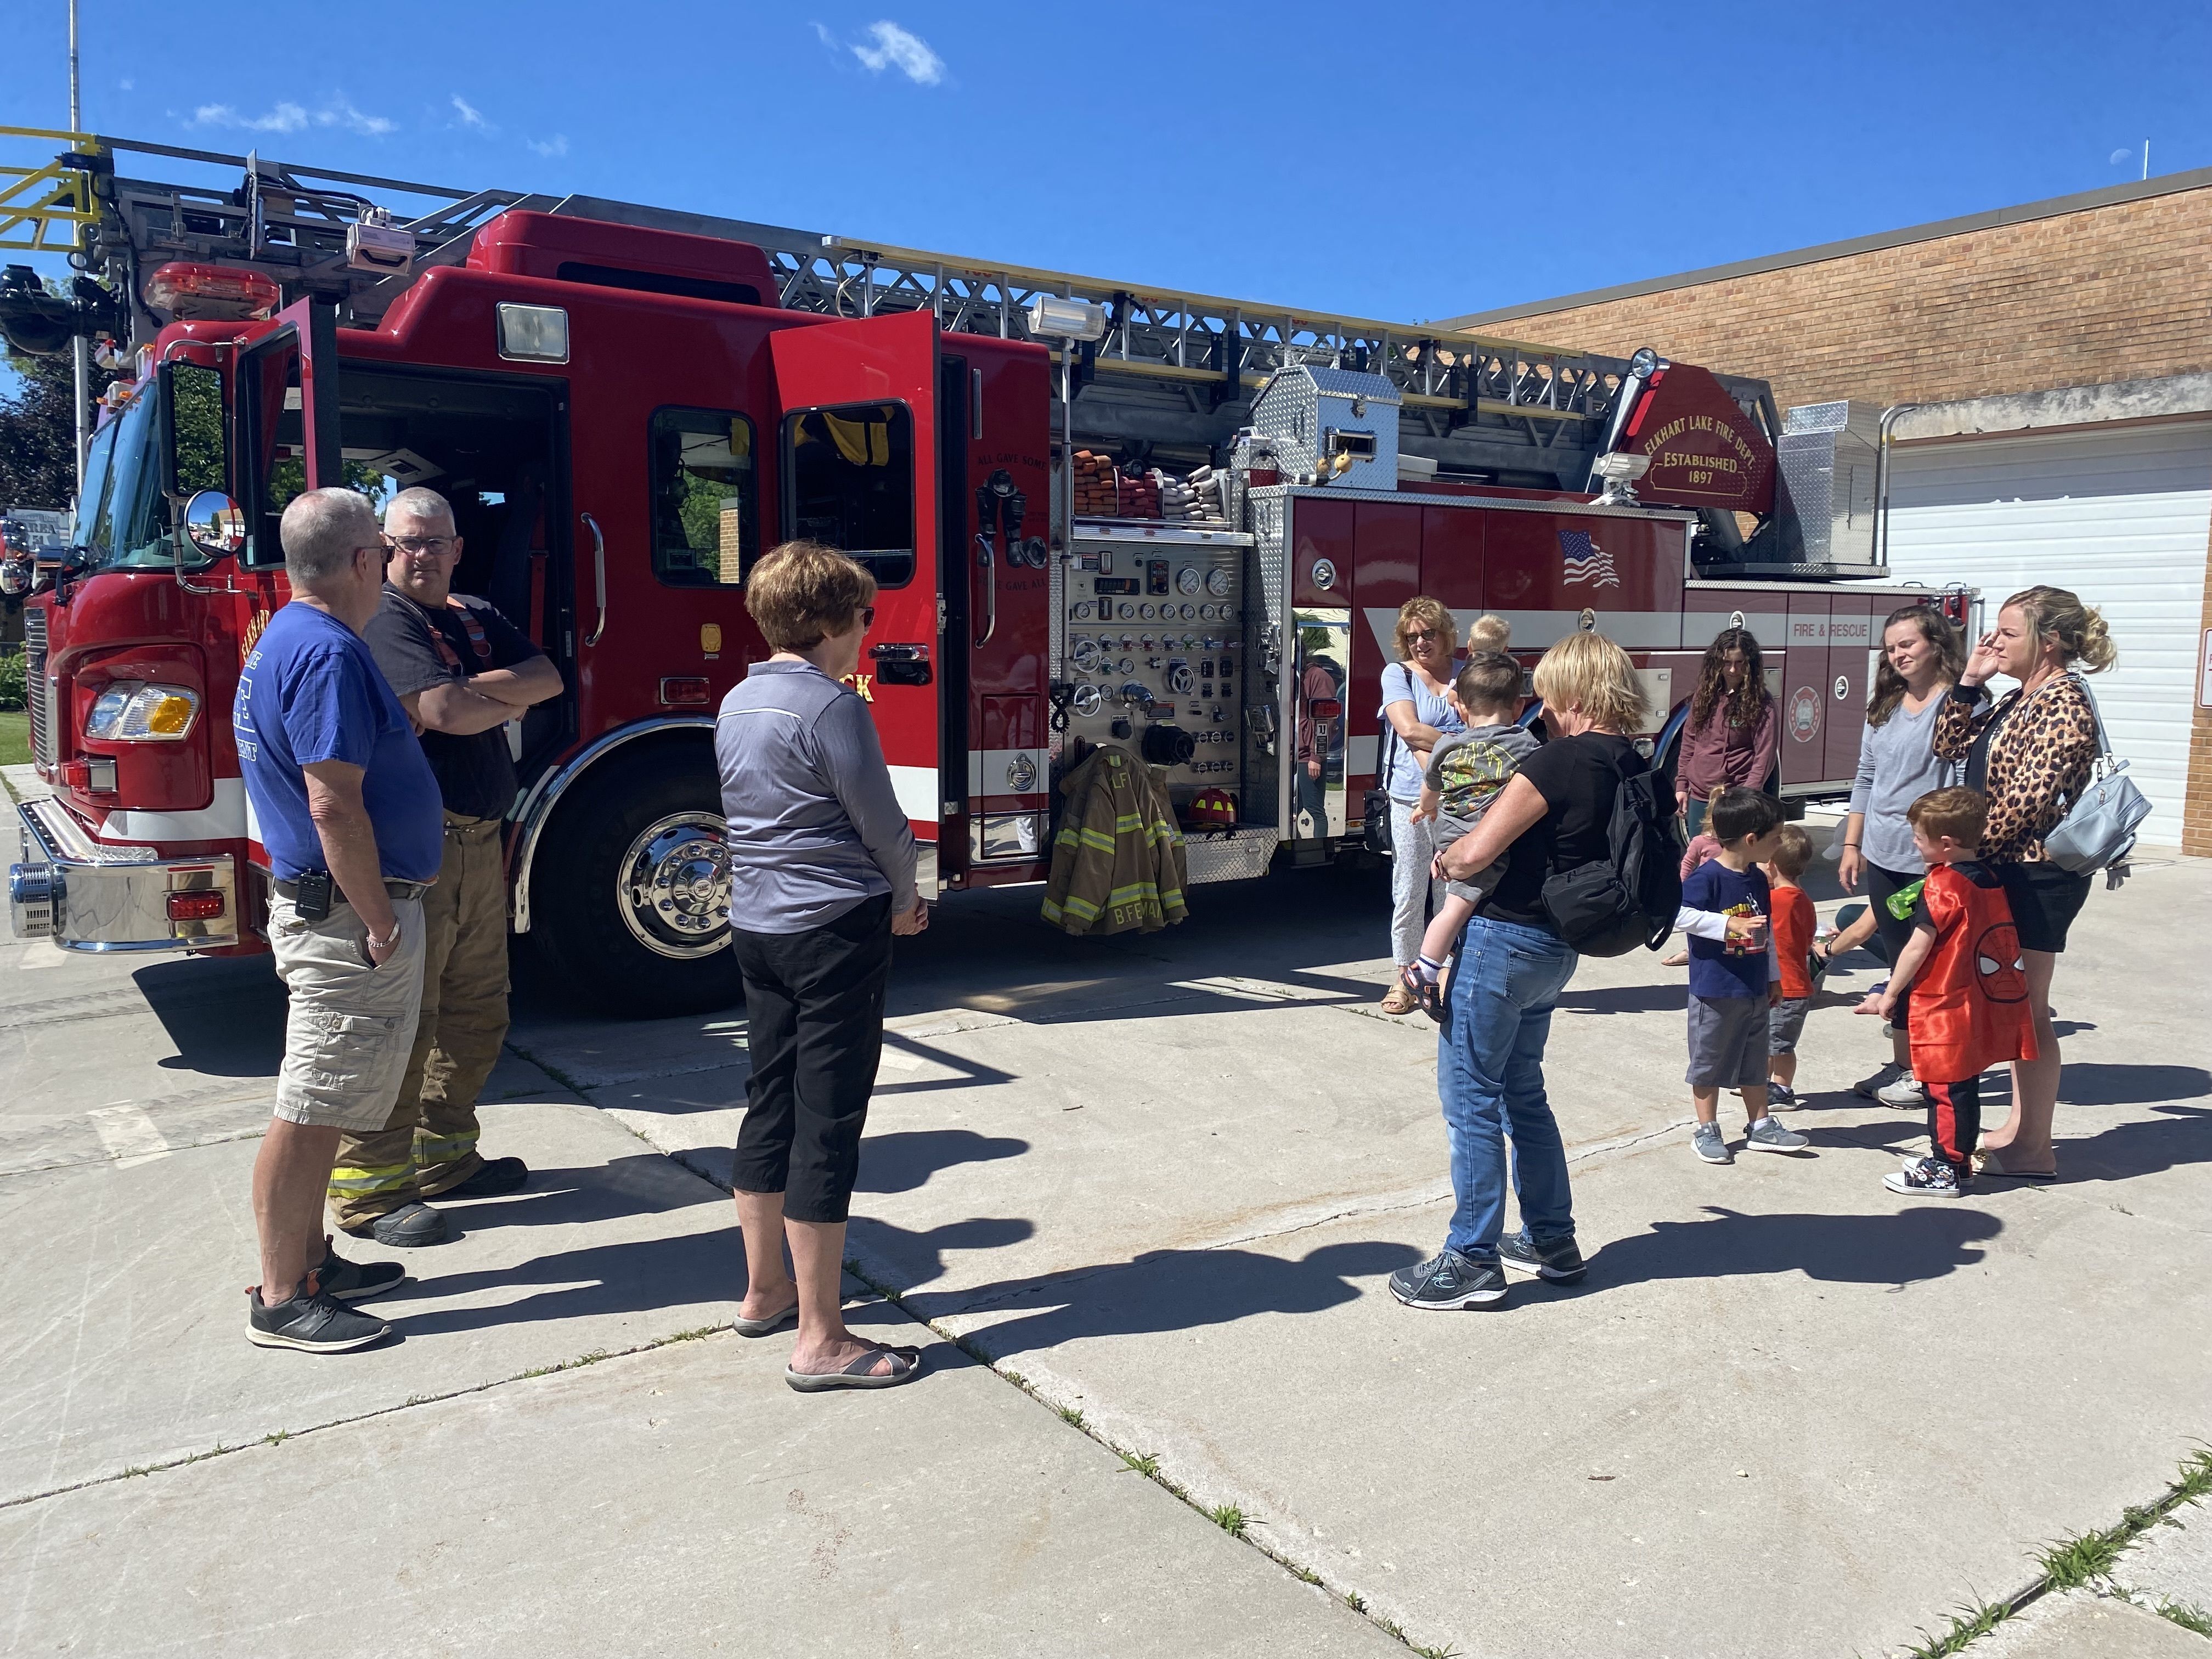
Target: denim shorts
1785, 1023
1728, 1043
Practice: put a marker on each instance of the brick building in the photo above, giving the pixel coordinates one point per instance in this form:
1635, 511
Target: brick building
2059, 355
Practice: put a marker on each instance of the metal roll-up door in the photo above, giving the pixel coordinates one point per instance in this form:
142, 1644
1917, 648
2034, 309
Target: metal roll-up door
2120, 515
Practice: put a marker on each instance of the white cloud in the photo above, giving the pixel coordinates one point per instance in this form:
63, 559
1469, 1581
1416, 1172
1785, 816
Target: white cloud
470, 115
909, 54
821, 33
284, 118
128, 84
341, 113
557, 145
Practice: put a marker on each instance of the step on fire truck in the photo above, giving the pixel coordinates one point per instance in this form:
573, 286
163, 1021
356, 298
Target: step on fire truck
626, 405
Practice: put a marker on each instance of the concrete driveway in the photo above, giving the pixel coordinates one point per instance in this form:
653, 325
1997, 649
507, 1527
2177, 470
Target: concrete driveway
1155, 1184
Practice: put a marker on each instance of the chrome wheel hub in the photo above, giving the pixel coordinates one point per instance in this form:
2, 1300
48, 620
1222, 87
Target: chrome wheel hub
674, 889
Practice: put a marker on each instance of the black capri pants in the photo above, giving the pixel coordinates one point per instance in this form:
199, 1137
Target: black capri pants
1891, 931
814, 1014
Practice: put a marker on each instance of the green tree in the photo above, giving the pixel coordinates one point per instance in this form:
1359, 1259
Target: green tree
37, 432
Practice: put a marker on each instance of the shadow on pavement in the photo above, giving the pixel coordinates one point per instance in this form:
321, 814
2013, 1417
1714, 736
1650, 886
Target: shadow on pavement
905, 1159
226, 1016
1626, 1000
638, 1185
1895, 1249
1182, 1290
2180, 1135
2095, 1083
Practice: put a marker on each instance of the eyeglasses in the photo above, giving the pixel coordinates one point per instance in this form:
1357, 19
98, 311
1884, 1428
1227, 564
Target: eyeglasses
416, 546
867, 617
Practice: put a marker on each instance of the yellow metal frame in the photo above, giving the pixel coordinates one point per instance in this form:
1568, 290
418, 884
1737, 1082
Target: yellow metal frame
40, 208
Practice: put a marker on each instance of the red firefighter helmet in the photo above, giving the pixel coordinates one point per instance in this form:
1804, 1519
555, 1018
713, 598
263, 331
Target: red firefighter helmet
1211, 809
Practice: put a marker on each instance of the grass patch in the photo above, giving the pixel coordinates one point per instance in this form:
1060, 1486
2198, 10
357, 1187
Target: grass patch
14, 738
2187, 1617
1230, 1519
1071, 1415
1966, 1624
2070, 1563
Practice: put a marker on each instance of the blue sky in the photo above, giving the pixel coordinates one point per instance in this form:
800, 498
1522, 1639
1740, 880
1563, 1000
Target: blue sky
1404, 162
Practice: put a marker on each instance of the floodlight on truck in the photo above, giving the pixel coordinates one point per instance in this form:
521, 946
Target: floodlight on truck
197, 293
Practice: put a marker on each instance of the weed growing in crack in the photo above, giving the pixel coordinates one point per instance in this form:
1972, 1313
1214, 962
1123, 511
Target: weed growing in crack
2073, 1562
1353, 1600
1434, 1653
1230, 1519
1145, 1463
277, 1438
1071, 1415
1308, 1574
1966, 1624
1390, 1627
2188, 1618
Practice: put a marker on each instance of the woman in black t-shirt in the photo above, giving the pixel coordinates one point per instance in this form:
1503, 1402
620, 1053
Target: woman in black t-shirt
1552, 817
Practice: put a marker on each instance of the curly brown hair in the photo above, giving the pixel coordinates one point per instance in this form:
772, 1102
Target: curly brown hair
1938, 631
1748, 702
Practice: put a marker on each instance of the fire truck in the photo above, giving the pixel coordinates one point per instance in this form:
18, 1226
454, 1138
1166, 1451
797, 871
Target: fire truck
626, 405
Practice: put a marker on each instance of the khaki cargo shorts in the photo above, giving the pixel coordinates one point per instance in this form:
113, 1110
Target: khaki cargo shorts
351, 1025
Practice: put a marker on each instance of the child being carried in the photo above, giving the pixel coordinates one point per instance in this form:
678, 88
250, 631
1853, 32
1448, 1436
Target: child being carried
1465, 772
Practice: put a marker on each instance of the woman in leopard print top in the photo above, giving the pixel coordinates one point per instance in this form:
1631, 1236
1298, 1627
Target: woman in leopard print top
2041, 744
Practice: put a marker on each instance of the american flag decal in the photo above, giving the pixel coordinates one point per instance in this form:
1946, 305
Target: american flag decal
1584, 561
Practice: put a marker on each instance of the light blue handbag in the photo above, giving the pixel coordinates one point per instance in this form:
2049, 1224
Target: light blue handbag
2099, 829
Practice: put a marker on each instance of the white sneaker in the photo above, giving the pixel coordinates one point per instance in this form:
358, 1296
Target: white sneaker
1872, 1086
1905, 1092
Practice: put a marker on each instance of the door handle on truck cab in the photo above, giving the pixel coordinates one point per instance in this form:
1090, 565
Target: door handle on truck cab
598, 575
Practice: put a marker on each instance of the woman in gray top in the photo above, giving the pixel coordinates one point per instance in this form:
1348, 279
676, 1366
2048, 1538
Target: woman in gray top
1416, 712
822, 874
1921, 656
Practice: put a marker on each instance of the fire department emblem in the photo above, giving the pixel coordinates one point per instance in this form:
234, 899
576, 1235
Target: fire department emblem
1804, 714
1021, 773
1998, 964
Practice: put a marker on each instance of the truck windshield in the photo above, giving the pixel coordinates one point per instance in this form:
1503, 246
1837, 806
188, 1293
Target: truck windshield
116, 520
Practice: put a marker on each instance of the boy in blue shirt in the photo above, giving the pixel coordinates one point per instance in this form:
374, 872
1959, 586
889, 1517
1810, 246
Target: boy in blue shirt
1734, 976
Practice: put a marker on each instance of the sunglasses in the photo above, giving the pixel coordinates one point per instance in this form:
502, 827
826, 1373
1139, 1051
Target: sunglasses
867, 617
1413, 633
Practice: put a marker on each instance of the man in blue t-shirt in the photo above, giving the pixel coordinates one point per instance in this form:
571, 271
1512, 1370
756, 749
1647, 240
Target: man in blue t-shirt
339, 794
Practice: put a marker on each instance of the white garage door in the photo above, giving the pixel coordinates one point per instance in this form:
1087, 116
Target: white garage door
2121, 517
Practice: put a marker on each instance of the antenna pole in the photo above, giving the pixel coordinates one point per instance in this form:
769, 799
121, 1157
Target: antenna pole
80, 349
2146, 158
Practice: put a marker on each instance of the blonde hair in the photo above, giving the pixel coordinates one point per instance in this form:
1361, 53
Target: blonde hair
1488, 632
1589, 673
2053, 613
802, 593
1422, 611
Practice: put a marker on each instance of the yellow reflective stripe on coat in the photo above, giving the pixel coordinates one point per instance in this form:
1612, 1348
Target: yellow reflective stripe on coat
444, 1149
382, 1178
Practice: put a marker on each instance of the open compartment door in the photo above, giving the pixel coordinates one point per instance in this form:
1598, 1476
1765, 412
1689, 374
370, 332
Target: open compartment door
858, 449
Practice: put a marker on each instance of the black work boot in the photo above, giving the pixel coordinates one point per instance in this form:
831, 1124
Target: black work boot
409, 1226
497, 1177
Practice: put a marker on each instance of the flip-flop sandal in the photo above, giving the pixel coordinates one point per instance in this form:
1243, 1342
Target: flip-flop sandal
906, 1365
769, 1326
1991, 1164
1427, 994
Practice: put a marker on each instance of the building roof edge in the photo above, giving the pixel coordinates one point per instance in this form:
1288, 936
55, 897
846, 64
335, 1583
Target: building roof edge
2053, 207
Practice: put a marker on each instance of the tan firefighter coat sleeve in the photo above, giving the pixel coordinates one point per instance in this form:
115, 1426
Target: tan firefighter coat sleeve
1117, 863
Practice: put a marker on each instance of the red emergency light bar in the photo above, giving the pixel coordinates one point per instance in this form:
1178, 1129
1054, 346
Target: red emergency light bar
190, 293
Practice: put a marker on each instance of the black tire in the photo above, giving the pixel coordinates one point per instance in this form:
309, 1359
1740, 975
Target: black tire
587, 914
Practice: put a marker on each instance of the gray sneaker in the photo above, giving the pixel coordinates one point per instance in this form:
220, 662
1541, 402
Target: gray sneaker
1706, 1141
1905, 1092
1871, 1087
1763, 1134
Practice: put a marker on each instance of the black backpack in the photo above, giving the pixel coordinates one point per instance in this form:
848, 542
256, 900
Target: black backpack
1609, 906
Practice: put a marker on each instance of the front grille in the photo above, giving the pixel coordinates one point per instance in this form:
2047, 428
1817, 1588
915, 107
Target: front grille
34, 684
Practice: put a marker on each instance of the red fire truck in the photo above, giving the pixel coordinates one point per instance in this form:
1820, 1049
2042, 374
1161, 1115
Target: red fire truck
628, 405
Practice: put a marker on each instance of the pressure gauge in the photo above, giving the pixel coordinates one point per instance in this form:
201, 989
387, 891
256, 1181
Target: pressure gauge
1145, 613
1217, 583
1087, 701
1189, 611
1082, 611
1128, 666
1127, 612
1188, 578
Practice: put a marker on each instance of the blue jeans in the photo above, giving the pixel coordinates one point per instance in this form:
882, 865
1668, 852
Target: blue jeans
1490, 1071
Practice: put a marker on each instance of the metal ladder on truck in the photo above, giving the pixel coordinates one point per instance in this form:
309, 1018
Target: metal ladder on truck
1177, 369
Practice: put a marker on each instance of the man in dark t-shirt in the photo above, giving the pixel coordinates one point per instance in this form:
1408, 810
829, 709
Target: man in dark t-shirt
462, 671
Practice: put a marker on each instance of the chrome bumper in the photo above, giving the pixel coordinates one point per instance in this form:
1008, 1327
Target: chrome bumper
86, 896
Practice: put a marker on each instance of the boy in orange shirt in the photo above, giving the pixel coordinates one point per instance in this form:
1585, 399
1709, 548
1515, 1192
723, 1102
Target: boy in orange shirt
1969, 989
1792, 923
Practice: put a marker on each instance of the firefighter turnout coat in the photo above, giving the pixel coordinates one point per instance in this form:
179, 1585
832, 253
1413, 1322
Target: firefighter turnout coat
1117, 863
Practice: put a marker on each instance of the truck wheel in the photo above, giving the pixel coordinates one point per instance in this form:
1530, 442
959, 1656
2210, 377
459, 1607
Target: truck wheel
630, 900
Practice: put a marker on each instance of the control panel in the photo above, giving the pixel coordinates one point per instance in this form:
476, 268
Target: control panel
1154, 634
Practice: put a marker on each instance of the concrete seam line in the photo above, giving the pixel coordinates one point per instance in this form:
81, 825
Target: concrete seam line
278, 1436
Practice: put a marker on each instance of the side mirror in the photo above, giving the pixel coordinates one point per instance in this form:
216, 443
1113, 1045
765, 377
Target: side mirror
214, 524
15, 577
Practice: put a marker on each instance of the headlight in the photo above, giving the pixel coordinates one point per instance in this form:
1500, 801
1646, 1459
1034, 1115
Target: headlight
129, 712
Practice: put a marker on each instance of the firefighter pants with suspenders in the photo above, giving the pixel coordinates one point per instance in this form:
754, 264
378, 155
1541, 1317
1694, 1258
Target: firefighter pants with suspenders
430, 1142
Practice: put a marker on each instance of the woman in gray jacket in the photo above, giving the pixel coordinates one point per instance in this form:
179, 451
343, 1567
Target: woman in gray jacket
1921, 654
822, 875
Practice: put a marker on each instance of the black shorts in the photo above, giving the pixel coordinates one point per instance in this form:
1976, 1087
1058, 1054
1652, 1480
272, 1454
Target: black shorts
1891, 930
2044, 900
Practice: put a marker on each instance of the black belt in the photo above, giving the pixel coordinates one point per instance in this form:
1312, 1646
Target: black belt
398, 890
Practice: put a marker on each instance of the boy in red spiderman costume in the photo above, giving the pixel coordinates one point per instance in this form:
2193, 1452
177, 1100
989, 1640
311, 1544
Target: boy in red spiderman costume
1969, 993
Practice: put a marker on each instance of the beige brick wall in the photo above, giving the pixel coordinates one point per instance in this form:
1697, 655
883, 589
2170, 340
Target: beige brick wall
2116, 293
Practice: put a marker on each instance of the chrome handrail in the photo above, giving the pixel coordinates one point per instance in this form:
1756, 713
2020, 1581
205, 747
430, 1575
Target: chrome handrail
598, 575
